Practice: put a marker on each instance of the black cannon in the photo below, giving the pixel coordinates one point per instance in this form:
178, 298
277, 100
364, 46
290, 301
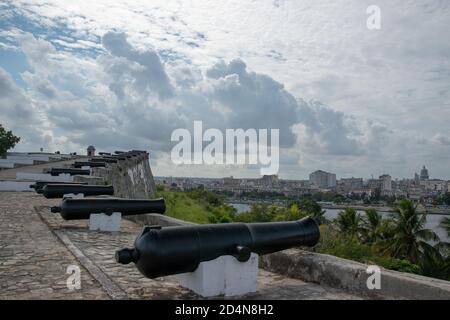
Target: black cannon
71, 171
172, 250
78, 209
79, 164
59, 190
104, 153
118, 158
38, 185
105, 160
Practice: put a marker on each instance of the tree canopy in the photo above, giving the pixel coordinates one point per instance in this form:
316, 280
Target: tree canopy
7, 140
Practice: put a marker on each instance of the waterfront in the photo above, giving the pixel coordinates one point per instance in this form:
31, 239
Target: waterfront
433, 220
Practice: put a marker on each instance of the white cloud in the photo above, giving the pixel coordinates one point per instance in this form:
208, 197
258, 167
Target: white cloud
185, 61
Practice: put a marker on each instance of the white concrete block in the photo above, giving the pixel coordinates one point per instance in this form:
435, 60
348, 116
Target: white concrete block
10, 185
104, 222
73, 195
223, 276
23, 161
44, 177
44, 158
7, 165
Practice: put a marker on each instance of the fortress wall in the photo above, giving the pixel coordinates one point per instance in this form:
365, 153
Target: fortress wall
131, 178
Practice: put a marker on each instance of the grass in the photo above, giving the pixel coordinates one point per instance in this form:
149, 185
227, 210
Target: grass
189, 206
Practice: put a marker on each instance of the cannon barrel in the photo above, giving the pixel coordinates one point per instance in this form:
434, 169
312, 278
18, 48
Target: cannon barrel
105, 160
79, 164
104, 153
59, 190
71, 171
77, 209
172, 250
38, 185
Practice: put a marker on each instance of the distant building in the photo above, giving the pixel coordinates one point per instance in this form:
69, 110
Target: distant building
322, 179
434, 186
416, 179
269, 180
91, 151
386, 184
231, 182
347, 185
424, 174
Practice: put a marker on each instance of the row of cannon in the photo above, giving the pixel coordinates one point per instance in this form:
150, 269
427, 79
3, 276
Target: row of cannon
159, 251
96, 162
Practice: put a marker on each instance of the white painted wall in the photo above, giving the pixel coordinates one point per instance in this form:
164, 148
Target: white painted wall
10, 185
27, 161
7, 165
44, 177
30, 157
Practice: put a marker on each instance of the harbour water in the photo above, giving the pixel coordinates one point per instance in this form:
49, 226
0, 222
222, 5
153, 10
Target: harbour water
433, 220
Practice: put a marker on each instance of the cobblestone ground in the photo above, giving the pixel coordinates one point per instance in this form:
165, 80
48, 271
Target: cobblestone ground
33, 263
33, 260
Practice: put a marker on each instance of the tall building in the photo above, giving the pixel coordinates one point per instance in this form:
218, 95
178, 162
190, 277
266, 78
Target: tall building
322, 179
386, 184
424, 174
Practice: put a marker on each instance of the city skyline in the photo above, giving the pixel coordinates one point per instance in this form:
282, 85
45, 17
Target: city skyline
352, 100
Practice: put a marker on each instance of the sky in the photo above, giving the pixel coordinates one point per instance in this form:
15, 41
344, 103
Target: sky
122, 75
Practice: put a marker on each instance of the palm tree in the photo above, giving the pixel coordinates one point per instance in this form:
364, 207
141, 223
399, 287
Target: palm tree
410, 238
309, 207
372, 225
445, 224
349, 221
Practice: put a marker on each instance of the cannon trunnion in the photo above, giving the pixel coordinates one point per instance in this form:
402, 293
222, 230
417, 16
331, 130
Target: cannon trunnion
173, 250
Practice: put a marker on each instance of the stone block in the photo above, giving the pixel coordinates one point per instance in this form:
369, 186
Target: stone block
104, 222
223, 276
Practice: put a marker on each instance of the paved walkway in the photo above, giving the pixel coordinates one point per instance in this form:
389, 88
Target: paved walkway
37, 247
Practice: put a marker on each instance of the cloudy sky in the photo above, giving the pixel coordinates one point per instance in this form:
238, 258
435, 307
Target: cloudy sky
346, 99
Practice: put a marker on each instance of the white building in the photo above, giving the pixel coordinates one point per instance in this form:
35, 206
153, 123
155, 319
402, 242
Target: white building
386, 184
322, 179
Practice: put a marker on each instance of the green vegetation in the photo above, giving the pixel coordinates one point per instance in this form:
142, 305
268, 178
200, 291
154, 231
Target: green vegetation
197, 206
7, 140
397, 242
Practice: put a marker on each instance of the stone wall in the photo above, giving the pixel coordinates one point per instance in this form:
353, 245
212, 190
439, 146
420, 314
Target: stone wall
131, 178
352, 276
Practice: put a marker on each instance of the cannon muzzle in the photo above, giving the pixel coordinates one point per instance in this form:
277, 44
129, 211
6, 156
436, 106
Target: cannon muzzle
59, 190
78, 209
172, 250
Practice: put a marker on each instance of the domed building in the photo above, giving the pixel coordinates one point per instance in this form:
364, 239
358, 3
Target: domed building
91, 151
424, 174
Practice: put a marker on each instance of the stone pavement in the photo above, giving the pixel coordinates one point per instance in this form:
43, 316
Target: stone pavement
37, 246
